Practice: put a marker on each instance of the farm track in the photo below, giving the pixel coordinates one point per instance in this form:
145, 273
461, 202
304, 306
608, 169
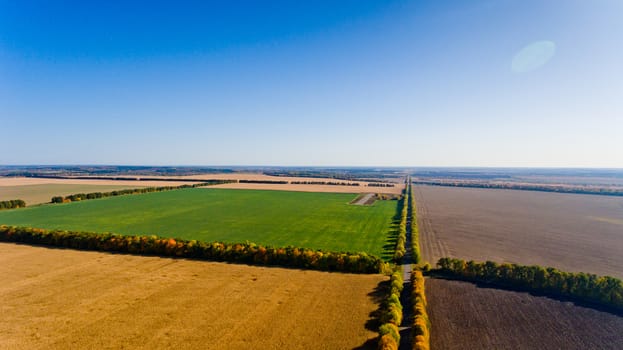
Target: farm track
67, 299
363, 200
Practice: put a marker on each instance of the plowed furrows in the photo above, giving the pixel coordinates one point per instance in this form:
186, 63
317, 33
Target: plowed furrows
433, 247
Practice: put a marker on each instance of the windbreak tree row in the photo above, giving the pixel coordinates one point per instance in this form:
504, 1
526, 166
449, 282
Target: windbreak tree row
415, 232
603, 290
391, 314
401, 239
331, 183
248, 253
12, 204
95, 195
421, 323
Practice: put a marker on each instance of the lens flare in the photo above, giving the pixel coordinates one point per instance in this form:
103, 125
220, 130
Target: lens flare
533, 56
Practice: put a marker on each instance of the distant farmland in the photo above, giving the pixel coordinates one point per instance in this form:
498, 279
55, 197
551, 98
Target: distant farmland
42, 193
576, 233
278, 218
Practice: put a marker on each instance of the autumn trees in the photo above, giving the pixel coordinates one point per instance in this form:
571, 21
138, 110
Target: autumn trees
248, 253
603, 290
12, 204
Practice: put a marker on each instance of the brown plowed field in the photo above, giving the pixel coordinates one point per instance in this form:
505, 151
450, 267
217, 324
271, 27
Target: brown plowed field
37, 191
397, 189
465, 316
572, 232
66, 299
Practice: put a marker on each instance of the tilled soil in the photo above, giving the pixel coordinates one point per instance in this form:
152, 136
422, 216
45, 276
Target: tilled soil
572, 232
466, 316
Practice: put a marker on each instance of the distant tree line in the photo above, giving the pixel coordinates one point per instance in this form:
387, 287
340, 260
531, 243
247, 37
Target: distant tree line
421, 323
606, 291
332, 183
95, 195
247, 253
391, 313
378, 184
276, 182
525, 187
12, 204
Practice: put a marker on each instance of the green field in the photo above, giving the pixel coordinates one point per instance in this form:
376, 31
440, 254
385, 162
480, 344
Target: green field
278, 218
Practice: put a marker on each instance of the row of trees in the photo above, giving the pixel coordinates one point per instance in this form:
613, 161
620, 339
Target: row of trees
391, 314
421, 323
415, 231
401, 239
380, 184
279, 182
606, 291
95, 195
12, 204
333, 183
248, 253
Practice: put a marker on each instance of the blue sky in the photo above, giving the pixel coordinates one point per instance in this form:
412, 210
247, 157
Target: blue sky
397, 83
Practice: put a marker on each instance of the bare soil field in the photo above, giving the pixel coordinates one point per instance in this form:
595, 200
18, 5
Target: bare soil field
23, 181
37, 191
66, 299
37, 194
303, 188
569, 231
362, 188
466, 316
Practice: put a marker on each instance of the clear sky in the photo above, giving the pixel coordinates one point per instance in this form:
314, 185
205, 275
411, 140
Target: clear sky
400, 83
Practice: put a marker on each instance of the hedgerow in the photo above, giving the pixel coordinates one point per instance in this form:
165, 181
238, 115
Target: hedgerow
391, 315
248, 253
415, 232
12, 204
401, 239
602, 290
421, 323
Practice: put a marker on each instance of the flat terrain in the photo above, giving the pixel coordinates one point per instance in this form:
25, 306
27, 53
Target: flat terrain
37, 194
65, 299
37, 191
569, 231
278, 218
465, 316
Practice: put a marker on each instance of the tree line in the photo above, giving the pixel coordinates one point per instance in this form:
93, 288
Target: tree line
247, 253
12, 204
380, 184
421, 323
276, 182
414, 228
332, 183
603, 290
95, 195
391, 314
401, 239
